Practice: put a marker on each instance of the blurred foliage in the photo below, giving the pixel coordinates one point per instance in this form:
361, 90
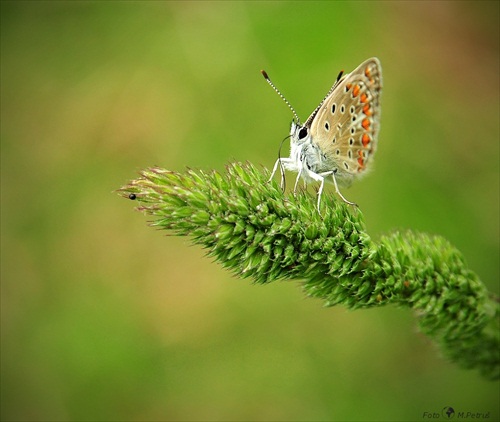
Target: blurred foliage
103, 319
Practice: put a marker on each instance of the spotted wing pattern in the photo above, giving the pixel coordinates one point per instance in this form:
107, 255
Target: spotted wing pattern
345, 126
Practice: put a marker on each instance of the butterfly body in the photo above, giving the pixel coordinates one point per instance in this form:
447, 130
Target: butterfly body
337, 141
308, 157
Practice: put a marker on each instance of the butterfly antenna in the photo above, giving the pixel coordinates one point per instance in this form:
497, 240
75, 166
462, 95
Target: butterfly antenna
264, 73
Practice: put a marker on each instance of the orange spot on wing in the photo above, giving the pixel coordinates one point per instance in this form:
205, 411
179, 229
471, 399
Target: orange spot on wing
367, 72
361, 161
365, 140
366, 110
348, 87
366, 124
363, 98
355, 91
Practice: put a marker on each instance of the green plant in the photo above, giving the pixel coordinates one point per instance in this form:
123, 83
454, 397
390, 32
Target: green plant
252, 229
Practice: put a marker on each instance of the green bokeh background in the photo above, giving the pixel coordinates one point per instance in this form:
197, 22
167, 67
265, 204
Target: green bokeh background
106, 319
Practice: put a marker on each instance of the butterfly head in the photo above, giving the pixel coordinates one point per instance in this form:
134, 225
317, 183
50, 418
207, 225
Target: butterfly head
299, 134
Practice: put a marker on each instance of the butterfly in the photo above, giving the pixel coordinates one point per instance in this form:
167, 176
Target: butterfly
339, 138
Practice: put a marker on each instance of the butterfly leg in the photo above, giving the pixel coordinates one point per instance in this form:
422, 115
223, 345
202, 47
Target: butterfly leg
319, 178
320, 191
279, 162
338, 191
297, 181
276, 164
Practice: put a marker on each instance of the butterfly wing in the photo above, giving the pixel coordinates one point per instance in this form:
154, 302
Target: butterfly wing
346, 124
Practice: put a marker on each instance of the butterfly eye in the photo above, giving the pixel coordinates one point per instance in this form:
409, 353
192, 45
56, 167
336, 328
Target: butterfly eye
302, 133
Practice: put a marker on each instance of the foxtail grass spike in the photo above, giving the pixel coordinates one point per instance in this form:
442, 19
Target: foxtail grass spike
250, 227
